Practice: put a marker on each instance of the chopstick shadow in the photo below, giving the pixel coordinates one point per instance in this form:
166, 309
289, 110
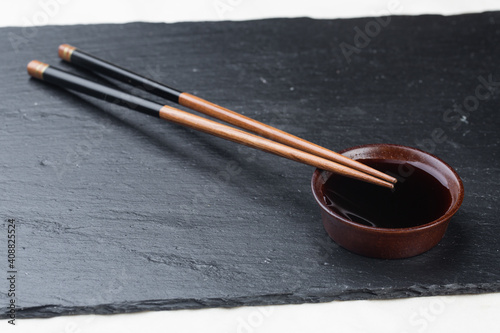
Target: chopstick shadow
267, 173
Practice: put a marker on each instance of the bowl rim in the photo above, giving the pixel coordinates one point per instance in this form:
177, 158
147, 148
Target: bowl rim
445, 217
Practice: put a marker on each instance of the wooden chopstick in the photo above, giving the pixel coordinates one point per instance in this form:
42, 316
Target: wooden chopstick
73, 55
70, 81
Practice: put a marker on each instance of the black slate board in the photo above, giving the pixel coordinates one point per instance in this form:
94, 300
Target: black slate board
120, 212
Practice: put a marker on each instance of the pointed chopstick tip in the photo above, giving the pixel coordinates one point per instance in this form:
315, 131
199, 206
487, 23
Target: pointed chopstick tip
375, 181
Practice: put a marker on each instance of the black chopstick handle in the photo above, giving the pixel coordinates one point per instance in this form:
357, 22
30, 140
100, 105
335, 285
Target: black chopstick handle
73, 82
80, 58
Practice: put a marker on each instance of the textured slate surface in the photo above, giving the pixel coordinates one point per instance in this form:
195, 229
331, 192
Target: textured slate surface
120, 212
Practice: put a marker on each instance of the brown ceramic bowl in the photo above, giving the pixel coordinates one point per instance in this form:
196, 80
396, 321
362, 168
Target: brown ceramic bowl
389, 243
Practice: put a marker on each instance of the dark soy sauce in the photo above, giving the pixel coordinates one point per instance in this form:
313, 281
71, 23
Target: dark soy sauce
418, 197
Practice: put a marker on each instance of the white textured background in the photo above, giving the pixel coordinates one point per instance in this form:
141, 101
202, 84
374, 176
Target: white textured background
478, 313
40, 12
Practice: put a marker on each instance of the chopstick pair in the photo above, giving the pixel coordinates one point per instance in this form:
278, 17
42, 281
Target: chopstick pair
277, 142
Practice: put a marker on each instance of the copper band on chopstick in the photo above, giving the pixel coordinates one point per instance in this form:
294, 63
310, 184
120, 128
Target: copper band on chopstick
65, 52
36, 69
